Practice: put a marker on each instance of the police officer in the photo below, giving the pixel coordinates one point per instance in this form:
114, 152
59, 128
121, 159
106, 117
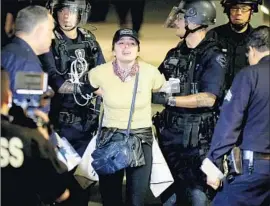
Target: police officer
184, 127
33, 34
244, 122
233, 35
73, 53
30, 169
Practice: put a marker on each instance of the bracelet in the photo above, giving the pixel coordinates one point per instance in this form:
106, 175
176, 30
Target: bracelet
171, 101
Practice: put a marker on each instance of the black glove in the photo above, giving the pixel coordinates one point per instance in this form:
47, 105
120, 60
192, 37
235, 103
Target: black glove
160, 98
86, 87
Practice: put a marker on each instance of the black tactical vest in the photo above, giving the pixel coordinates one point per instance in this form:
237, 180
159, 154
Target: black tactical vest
187, 65
73, 53
66, 51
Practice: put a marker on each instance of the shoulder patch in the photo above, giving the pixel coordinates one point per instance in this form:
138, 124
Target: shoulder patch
228, 96
221, 60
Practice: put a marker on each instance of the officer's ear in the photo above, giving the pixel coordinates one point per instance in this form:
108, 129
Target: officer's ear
6, 94
251, 51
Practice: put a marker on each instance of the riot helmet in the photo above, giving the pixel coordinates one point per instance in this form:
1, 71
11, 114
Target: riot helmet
79, 7
229, 4
200, 12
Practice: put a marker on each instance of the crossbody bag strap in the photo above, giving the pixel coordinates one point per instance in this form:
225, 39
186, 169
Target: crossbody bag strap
133, 103
131, 108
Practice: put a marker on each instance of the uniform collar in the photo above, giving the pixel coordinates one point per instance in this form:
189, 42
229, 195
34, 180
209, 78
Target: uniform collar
265, 59
57, 29
27, 47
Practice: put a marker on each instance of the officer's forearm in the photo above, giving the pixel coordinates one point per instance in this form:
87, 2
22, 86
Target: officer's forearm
196, 100
66, 88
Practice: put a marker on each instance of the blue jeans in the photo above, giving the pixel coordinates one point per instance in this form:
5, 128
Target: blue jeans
195, 196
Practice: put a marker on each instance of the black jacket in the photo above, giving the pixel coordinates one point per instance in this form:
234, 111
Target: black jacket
234, 44
30, 170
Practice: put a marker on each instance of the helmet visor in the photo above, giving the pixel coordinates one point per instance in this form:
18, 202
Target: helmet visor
68, 17
170, 21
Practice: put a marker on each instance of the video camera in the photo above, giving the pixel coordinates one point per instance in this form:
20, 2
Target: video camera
32, 90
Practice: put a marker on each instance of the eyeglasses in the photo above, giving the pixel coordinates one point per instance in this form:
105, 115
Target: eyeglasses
243, 9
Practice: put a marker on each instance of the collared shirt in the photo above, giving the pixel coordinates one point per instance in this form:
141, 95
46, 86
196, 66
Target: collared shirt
19, 56
244, 118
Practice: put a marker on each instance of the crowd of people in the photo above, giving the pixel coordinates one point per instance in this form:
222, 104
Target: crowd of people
214, 86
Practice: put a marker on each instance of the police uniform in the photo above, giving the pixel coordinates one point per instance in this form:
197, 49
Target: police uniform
234, 45
73, 115
185, 133
19, 56
75, 122
31, 173
232, 39
244, 122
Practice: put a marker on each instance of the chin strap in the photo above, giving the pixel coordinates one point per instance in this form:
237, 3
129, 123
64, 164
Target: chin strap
64, 29
188, 31
238, 27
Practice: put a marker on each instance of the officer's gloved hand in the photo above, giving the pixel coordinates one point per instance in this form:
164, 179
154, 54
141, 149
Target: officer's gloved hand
85, 87
160, 98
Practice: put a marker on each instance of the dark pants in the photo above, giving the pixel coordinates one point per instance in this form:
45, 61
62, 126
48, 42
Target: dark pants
78, 195
247, 189
136, 7
137, 183
184, 163
99, 10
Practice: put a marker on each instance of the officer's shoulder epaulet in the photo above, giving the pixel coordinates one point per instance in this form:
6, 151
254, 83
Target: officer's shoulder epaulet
87, 34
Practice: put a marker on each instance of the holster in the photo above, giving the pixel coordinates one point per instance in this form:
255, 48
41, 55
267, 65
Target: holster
234, 163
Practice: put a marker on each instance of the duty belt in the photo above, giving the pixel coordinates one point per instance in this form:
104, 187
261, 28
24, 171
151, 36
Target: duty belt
68, 118
175, 117
247, 155
251, 156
